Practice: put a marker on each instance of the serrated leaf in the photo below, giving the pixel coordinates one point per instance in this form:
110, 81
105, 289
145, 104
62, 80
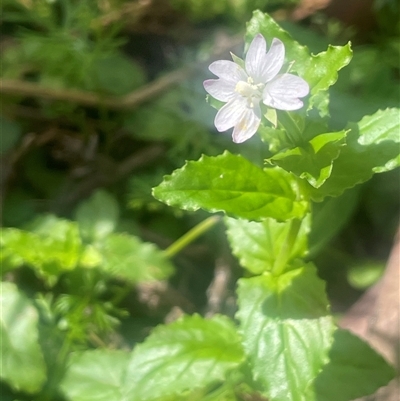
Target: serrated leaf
52, 246
258, 244
186, 355
319, 71
382, 126
232, 184
22, 362
313, 161
372, 147
129, 258
98, 216
95, 376
287, 331
354, 365
379, 128
190, 353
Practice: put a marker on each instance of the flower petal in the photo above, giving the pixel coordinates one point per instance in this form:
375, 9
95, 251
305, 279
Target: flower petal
284, 91
248, 125
255, 58
273, 60
220, 89
229, 114
228, 70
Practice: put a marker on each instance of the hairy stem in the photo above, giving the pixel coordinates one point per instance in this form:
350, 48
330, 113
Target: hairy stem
281, 260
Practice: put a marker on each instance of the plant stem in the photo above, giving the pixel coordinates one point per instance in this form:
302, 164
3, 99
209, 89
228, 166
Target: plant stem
292, 128
214, 395
281, 260
190, 236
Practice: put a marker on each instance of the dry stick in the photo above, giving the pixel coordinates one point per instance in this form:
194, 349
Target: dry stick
93, 99
218, 288
30, 89
83, 98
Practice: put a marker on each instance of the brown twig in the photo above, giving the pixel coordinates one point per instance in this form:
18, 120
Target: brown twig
92, 99
218, 289
132, 100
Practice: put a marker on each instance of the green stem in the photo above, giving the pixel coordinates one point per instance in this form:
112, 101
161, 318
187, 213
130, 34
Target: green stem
291, 138
190, 236
281, 260
216, 394
290, 125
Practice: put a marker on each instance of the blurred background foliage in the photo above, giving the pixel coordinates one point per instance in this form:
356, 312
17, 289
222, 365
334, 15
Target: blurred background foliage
100, 99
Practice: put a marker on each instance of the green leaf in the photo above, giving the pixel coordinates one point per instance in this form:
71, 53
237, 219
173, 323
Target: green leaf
258, 244
100, 375
52, 246
190, 353
365, 274
354, 365
372, 147
232, 184
320, 71
239, 61
22, 363
313, 161
287, 331
379, 128
129, 258
216, 104
98, 216
382, 126
95, 376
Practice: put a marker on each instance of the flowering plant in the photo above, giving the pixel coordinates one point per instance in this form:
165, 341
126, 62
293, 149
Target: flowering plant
286, 334
67, 284
244, 88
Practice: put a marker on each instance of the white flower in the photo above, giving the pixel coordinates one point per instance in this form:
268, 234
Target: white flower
243, 89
